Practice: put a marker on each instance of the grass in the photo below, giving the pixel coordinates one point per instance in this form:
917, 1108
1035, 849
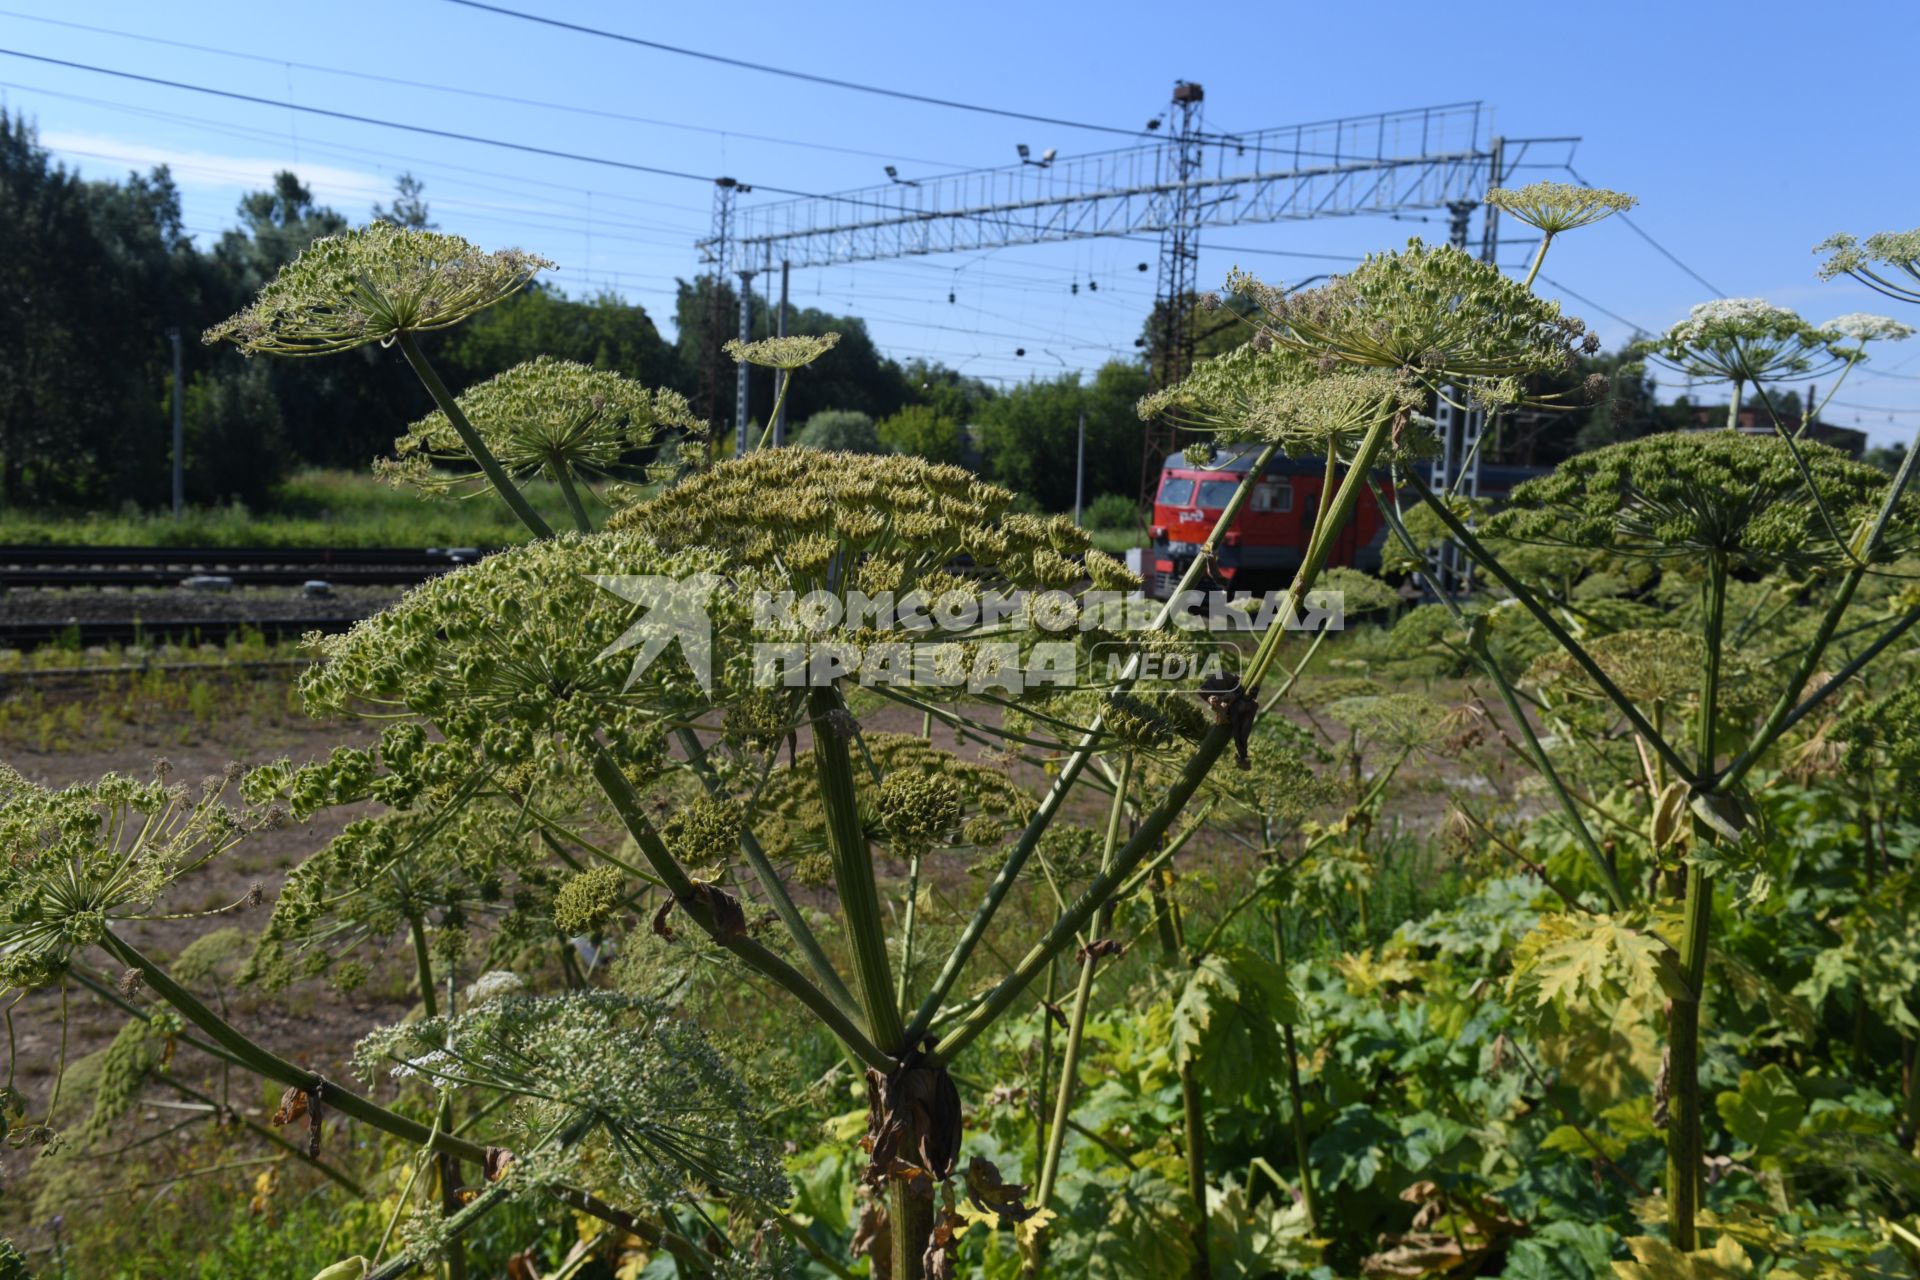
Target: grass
327, 509
313, 509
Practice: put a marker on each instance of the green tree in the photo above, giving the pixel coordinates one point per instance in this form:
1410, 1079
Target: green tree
409, 207
844, 429
235, 438
92, 277
1030, 435
920, 429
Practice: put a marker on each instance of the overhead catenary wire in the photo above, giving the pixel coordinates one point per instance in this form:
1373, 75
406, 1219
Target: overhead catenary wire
344, 150
1585, 301
428, 130
463, 91
1664, 252
792, 74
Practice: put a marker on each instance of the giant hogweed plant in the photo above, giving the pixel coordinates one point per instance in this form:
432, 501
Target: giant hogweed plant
1761, 548
518, 723
521, 733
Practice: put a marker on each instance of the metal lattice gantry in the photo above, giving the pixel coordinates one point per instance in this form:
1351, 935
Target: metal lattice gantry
1426, 158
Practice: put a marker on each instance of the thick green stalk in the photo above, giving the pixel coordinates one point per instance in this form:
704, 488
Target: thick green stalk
563, 474
773, 886
785, 378
626, 803
1539, 256
1043, 817
496, 474
853, 873
911, 919
1733, 405
456, 1256
1194, 1111
1296, 1096
1082, 997
1684, 1135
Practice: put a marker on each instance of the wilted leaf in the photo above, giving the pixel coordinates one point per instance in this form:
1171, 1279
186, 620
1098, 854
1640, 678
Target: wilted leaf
988, 1192
1658, 1260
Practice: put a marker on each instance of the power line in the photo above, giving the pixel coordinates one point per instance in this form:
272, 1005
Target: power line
792, 74
524, 147
1589, 302
473, 93
1665, 252
347, 151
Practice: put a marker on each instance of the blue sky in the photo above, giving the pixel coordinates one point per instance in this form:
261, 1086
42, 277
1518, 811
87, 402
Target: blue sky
1750, 131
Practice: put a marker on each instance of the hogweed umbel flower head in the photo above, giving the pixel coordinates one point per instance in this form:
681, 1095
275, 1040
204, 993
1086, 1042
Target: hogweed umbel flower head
1888, 262
1554, 207
1698, 493
1861, 327
794, 351
72, 860
546, 414
1272, 397
1745, 340
1433, 313
372, 284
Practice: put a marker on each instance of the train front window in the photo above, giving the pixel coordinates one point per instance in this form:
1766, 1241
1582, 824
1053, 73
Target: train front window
1215, 494
1176, 492
1274, 495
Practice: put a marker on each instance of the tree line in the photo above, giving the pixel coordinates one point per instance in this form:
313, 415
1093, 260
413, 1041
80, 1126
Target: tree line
97, 273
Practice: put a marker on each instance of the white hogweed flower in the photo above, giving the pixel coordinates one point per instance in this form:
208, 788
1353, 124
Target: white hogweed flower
1554, 207
794, 351
1862, 327
373, 284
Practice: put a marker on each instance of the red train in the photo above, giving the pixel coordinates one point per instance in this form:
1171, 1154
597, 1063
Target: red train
1264, 545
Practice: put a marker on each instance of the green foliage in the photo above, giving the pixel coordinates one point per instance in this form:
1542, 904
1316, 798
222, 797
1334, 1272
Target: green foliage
1227, 1020
1029, 436
841, 430
1112, 511
921, 430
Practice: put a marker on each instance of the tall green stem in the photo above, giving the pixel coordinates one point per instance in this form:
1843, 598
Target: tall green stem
563, 474
1296, 1096
443, 1163
1684, 1138
1539, 256
1194, 1111
853, 872
1082, 997
496, 474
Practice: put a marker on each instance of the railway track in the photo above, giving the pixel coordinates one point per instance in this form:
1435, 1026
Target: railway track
84, 567
183, 614
84, 635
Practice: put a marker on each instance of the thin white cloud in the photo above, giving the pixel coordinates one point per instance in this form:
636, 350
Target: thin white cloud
102, 155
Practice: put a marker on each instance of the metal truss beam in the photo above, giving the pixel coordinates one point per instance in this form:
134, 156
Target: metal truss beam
1425, 158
